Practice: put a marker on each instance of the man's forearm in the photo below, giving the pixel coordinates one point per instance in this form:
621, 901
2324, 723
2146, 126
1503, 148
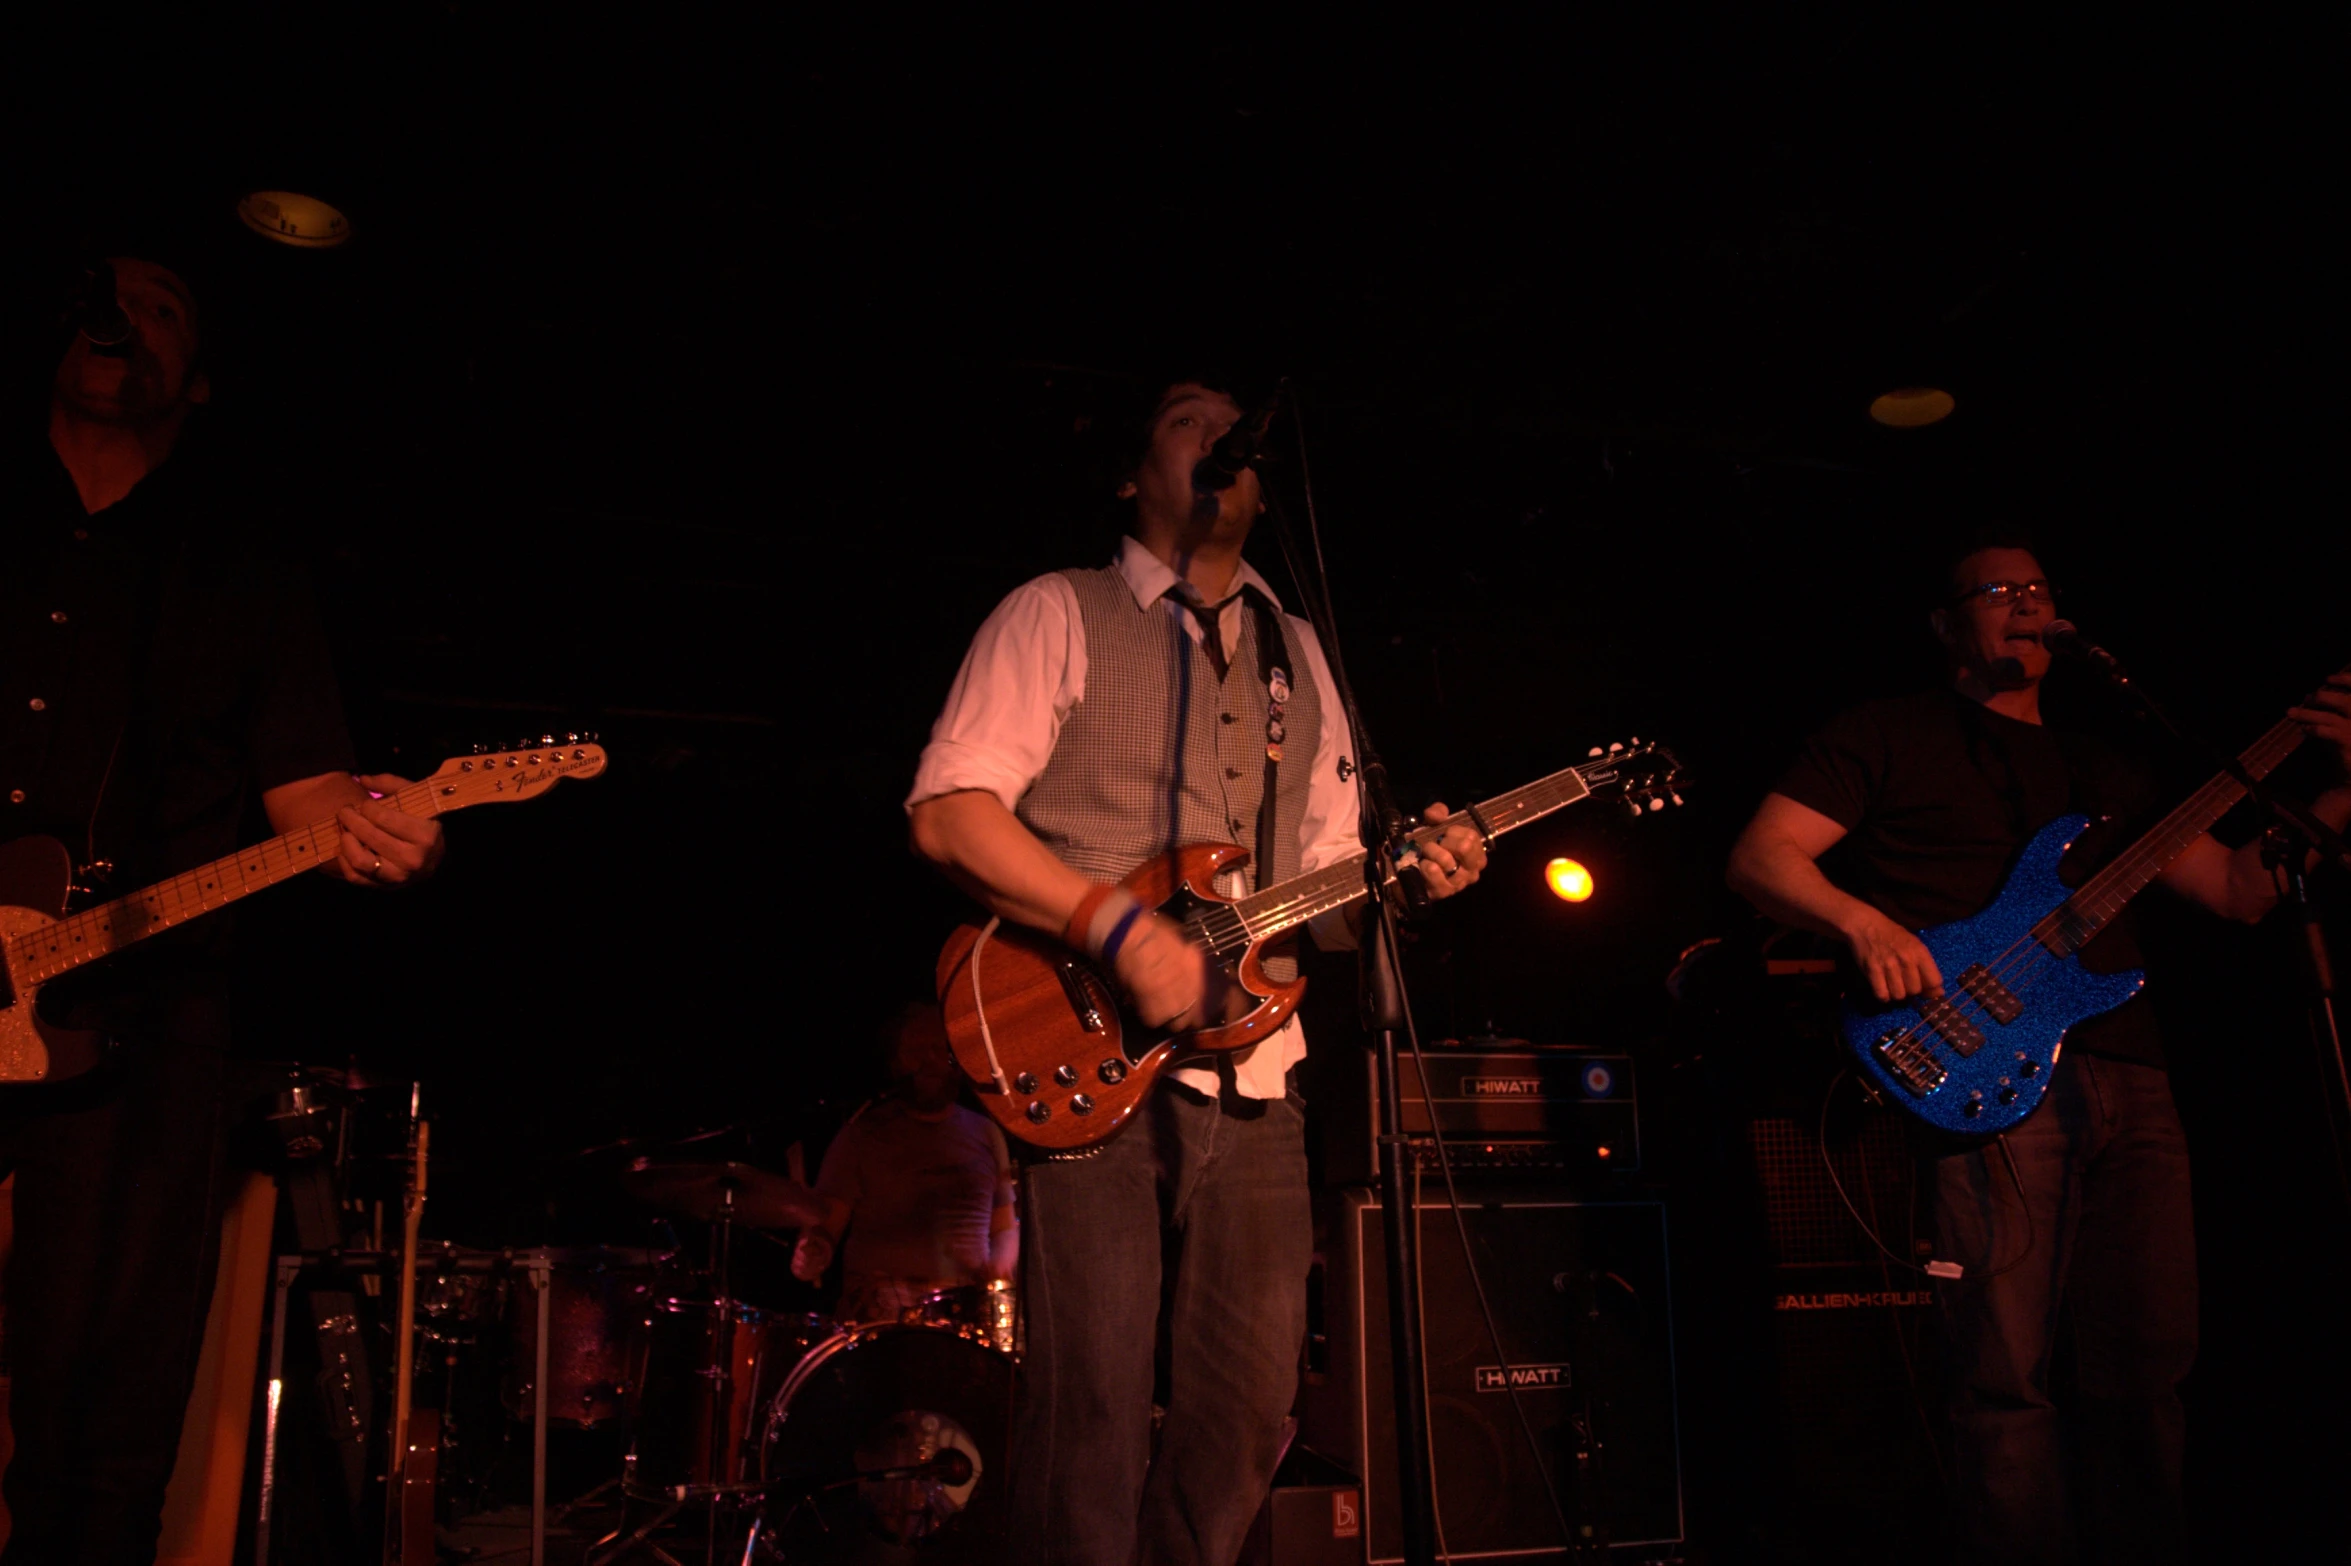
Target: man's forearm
1004, 1252
983, 848
1784, 883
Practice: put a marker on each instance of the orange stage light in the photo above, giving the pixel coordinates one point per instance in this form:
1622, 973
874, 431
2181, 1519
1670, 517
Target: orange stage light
1568, 880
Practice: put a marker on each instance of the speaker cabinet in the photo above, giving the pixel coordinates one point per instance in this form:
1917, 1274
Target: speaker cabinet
1579, 1291
1856, 1362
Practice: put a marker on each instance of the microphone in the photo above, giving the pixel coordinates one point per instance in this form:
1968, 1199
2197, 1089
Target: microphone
1238, 448
2063, 636
99, 312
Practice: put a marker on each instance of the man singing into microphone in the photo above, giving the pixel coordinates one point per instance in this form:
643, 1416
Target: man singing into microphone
1101, 717
2084, 1206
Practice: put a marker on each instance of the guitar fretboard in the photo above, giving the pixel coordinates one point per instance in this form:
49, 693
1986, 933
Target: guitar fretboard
1293, 902
43, 954
2104, 895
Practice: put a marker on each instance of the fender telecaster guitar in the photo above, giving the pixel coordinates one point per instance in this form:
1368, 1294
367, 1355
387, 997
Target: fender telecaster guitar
1977, 1059
41, 942
1038, 1028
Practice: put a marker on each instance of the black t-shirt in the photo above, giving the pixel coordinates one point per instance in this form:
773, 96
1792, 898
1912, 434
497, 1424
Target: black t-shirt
160, 668
1937, 793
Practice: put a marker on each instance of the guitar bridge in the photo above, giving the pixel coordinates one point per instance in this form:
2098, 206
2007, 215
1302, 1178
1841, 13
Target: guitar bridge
1073, 984
1910, 1062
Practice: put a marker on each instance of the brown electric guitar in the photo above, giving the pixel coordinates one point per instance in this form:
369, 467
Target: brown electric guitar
1038, 1028
42, 942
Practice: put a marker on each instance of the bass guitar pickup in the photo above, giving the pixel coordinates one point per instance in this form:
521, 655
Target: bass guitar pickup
1991, 994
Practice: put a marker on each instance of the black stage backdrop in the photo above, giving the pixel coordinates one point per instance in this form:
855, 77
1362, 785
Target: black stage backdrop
706, 387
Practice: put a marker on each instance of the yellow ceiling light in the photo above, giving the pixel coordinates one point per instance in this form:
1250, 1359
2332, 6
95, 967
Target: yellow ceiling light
291, 218
1912, 407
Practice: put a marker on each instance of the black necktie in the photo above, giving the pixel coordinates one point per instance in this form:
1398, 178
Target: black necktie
1208, 614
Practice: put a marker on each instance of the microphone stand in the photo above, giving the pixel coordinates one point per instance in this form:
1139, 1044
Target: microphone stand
1384, 830
2291, 832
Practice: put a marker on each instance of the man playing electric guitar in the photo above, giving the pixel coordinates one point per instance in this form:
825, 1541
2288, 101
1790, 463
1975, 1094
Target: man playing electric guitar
1102, 717
1931, 796
159, 677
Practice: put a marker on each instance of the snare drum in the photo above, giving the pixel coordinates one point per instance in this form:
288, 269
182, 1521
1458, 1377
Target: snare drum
896, 1396
694, 1427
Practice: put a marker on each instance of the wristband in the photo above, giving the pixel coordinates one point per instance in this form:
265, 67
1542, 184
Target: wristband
1118, 932
1101, 910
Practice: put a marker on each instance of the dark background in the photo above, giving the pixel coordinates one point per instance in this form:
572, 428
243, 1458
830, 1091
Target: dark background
704, 382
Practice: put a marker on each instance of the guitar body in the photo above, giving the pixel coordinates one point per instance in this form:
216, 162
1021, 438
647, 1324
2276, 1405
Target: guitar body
1980, 1059
1074, 1070
36, 874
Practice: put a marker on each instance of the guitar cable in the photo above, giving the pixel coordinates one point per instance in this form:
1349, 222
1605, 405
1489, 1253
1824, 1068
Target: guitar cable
1477, 1281
1869, 1230
1313, 590
979, 1008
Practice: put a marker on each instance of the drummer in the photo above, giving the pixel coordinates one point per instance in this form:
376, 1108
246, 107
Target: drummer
922, 1186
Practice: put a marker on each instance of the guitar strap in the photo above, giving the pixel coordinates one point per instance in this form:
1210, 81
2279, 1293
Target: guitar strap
1272, 653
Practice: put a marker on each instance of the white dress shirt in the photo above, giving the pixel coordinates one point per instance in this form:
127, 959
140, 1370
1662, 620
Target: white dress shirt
1027, 668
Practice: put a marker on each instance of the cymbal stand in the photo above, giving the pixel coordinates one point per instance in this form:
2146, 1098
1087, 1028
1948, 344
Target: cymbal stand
722, 1355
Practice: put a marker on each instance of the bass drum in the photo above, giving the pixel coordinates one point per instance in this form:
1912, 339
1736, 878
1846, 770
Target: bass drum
890, 1397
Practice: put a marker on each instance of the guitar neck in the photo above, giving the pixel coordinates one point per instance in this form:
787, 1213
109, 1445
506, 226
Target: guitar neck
2105, 894
1293, 902
43, 954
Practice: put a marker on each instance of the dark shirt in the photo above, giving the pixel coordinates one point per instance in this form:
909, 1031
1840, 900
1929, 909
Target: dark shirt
159, 670
1937, 793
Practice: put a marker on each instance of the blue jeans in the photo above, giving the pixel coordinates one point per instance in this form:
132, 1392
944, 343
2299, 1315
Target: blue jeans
1227, 1180
2104, 1167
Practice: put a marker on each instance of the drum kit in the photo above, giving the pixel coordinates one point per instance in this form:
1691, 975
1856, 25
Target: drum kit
784, 1436
741, 1432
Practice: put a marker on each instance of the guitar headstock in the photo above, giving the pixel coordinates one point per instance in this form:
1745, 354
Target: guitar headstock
1642, 773
519, 771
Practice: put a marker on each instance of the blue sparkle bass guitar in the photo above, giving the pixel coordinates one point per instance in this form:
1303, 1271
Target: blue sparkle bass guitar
1977, 1059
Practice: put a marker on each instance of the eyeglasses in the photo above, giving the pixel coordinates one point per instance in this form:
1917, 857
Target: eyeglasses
2001, 594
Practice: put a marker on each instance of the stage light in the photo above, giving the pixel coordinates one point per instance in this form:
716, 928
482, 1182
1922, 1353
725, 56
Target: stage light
1569, 881
1912, 407
291, 218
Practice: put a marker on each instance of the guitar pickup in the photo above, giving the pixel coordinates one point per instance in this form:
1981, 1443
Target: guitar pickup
1911, 1062
1991, 994
1951, 1025
1073, 984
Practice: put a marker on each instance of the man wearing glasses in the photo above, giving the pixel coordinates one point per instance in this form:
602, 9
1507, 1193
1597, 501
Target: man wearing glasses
2085, 1205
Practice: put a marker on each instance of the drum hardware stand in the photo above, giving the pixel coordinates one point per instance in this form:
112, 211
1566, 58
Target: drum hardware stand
719, 1372
539, 1264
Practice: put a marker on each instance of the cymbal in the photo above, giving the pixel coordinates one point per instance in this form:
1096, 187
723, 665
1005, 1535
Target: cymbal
701, 1191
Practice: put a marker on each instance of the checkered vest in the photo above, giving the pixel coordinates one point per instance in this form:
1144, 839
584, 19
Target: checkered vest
1159, 753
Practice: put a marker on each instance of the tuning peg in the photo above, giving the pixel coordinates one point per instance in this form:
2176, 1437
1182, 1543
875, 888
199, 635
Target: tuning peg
1674, 795
481, 750
1635, 742
1613, 749
1595, 750
571, 739
1633, 808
